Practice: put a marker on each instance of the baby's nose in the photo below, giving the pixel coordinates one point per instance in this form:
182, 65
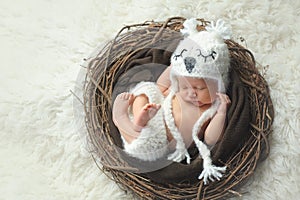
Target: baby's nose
189, 63
192, 92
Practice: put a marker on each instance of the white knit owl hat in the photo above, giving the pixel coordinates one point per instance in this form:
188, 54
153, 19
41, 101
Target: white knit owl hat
200, 55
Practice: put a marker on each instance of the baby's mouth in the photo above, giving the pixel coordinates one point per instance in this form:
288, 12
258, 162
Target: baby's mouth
197, 103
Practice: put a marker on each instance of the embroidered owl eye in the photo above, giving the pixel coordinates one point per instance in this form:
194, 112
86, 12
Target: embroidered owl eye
212, 55
179, 55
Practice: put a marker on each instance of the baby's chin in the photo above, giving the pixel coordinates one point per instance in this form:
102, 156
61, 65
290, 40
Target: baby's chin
200, 104
197, 103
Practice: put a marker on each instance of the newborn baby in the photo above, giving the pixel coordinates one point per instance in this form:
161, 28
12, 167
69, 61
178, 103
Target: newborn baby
195, 96
164, 118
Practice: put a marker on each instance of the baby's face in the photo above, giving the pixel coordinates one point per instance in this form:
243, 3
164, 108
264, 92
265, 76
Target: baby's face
198, 92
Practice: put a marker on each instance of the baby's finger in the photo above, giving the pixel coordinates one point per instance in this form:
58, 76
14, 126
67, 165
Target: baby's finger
227, 99
224, 98
221, 97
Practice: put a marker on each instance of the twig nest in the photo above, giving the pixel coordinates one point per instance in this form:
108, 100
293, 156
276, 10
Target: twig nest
141, 52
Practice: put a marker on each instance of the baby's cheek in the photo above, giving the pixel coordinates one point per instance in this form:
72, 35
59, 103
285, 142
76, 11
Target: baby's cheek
213, 89
182, 93
207, 97
213, 96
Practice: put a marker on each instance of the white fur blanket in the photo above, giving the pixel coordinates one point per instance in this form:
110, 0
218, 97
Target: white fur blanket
42, 44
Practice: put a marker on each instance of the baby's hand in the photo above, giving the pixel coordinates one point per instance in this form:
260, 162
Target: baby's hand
224, 103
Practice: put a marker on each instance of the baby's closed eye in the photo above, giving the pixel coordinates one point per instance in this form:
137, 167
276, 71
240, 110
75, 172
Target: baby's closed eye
200, 88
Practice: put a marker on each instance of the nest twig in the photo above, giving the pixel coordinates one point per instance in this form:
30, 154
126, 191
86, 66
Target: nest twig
102, 73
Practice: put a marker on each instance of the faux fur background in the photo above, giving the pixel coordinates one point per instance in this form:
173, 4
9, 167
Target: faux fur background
43, 43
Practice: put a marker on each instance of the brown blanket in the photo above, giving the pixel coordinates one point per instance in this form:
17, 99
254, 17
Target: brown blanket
147, 65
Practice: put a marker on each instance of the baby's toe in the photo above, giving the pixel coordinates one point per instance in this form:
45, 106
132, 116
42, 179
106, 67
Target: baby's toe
157, 106
125, 96
131, 98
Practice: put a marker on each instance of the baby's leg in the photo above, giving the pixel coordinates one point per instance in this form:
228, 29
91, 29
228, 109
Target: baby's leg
143, 111
121, 119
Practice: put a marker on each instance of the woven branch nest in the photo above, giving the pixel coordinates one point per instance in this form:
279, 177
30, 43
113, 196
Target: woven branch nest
104, 71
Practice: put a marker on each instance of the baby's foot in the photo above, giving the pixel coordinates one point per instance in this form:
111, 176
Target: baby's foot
121, 105
147, 113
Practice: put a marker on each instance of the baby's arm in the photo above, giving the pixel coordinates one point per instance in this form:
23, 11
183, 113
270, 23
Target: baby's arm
216, 126
164, 82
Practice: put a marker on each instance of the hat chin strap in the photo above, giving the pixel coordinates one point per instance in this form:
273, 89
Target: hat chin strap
210, 172
181, 151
